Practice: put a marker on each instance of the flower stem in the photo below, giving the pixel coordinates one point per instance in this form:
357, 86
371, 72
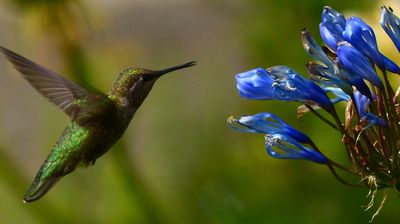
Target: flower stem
321, 117
341, 180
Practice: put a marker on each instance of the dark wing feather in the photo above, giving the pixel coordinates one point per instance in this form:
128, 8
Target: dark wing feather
62, 92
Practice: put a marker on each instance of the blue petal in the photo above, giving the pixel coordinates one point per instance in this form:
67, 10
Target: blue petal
280, 83
337, 100
372, 119
332, 16
267, 123
331, 34
362, 103
255, 84
293, 87
342, 96
340, 78
314, 49
325, 77
390, 65
284, 147
332, 27
355, 81
362, 37
355, 62
391, 24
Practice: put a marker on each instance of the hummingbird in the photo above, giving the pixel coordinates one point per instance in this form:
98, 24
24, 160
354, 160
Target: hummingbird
98, 119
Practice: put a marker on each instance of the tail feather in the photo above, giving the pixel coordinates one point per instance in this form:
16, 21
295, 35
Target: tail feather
39, 188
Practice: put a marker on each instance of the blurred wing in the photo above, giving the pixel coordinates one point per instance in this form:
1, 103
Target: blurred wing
62, 92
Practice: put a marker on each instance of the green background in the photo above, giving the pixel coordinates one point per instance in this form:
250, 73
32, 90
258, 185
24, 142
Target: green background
178, 162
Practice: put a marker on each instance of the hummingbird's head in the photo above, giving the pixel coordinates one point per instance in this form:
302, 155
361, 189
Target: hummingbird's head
132, 85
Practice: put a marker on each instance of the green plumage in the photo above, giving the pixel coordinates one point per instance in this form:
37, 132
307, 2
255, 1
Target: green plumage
97, 120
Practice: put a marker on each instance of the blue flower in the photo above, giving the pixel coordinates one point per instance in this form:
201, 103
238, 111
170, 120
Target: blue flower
291, 86
362, 103
284, 147
280, 83
356, 63
332, 26
362, 37
255, 84
321, 74
390, 65
314, 49
334, 29
326, 77
341, 95
356, 81
330, 73
266, 123
332, 16
372, 119
391, 24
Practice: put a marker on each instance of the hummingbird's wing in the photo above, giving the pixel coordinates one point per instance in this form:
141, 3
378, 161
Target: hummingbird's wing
68, 96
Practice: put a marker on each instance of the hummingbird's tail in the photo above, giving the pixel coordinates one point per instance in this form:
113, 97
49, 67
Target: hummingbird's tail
39, 188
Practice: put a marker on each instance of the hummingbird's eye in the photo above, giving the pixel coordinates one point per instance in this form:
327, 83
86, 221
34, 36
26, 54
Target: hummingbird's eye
145, 77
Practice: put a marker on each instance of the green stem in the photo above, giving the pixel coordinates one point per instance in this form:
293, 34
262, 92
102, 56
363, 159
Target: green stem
341, 180
321, 117
351, 146
391, 131
353, 101
332, 162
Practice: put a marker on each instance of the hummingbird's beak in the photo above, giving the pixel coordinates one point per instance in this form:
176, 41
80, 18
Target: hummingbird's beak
167, 70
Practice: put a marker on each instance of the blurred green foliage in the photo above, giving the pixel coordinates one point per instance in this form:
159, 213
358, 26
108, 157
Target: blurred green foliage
178, 161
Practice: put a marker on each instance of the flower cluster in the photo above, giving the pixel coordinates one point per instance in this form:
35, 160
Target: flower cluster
348, 68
